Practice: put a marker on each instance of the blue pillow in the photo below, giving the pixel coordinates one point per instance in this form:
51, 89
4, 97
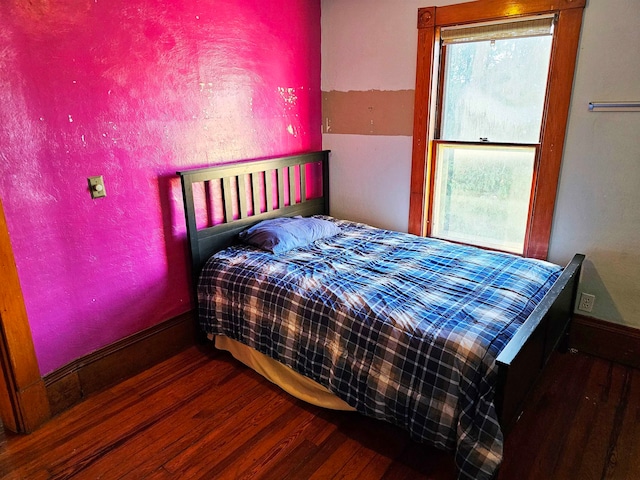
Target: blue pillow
284, 233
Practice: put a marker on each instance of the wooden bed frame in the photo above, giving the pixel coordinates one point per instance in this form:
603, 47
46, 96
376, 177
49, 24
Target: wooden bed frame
521, 361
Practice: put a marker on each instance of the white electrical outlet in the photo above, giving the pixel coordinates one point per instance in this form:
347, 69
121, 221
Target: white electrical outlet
586, 302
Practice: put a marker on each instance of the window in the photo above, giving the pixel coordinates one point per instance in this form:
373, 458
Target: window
492, 97
494, 80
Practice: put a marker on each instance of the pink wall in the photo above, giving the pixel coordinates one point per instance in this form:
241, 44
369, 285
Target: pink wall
135, 90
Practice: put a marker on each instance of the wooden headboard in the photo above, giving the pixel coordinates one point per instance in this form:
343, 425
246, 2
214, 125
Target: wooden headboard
244, 206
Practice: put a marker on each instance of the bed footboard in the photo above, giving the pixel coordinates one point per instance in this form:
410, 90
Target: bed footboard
521, 362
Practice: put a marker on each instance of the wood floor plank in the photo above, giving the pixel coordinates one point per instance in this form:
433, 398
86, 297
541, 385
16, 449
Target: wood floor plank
581, 429
226, 439
199, 415
262, 450
376, 467
353, 468
325, 450
192, 431
331, 421
337, 460
605, 424
592, 425
186, 442
190, 422
305, 449
125, 424
159, 474
542, 430
292, 462
625, 452
81, 424
97, 410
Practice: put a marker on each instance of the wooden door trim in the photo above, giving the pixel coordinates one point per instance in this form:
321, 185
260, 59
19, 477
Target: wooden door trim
23, 397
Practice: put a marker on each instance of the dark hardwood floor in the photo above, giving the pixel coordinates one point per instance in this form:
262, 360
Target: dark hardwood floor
203, 415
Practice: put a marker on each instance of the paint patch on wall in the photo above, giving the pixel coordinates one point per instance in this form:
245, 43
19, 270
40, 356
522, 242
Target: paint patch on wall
372, 112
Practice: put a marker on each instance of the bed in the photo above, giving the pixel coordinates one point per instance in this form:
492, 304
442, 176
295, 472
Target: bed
315, 321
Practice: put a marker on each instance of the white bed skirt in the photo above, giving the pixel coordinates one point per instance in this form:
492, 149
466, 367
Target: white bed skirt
290, 381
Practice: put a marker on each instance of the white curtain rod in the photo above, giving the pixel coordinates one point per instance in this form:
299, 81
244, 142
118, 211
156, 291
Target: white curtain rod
610, 106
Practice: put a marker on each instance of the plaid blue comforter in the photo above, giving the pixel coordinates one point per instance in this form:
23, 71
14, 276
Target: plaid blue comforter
403, 328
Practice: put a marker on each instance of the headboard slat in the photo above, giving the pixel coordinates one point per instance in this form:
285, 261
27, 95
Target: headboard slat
242, 195
281, 181
227, 199
292, 185
268, 179
303, 183
255, 192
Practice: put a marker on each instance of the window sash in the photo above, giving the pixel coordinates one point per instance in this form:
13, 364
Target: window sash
504, 238
527, 116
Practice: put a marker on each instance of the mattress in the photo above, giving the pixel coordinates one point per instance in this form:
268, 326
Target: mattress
402, 328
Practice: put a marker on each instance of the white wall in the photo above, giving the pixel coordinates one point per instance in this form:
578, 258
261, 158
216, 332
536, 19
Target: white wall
371, 45
598, 205
369, 179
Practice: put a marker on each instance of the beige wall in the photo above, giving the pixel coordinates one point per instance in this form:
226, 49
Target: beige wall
370, 45
598, 207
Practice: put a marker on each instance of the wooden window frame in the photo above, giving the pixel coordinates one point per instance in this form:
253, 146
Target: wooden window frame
561, 72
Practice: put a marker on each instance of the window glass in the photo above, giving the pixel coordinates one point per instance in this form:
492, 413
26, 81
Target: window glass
495, 89
481, 195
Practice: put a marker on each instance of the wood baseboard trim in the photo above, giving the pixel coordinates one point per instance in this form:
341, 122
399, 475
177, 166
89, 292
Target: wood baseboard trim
92, 373
607, 340
38, 410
